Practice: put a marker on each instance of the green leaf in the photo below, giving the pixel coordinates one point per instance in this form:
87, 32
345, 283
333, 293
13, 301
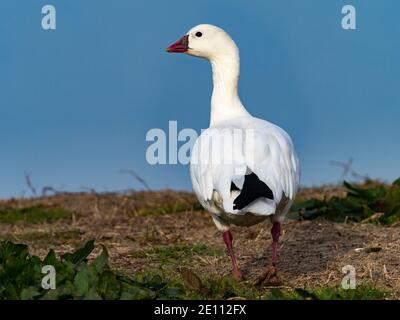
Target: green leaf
81, 254
92, 295
50, 259
172, 293
64, 291
101, 261
85, 280
108, 286
130, 292
29, 293
306, 294
9, 290
277, 294
9, 249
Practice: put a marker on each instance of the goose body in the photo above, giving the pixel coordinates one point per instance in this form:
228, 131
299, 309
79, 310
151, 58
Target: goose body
244, 170
219, 184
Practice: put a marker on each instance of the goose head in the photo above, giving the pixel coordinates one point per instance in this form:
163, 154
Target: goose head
215, 45
206, 41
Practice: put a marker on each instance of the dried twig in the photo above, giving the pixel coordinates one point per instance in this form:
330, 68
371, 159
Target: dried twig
137, 177
47, 189
347, 169
29, 182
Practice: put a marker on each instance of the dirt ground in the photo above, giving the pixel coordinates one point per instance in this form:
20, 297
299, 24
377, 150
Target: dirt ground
311, 253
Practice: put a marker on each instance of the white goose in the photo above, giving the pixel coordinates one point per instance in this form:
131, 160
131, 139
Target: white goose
254, 172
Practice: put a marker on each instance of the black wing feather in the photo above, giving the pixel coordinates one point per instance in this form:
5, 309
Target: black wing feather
253, 188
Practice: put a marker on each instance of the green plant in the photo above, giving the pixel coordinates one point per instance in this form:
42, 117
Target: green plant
76, 278
34, 214
359, 204
174, 252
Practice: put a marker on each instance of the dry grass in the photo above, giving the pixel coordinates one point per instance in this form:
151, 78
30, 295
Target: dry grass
167, 230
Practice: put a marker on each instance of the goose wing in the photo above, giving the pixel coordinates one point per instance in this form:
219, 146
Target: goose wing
244, 161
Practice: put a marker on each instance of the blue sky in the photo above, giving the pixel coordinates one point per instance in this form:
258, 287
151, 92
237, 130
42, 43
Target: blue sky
76, 103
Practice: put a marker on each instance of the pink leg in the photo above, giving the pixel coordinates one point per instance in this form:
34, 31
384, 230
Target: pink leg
227, 236
275, 232
270, 276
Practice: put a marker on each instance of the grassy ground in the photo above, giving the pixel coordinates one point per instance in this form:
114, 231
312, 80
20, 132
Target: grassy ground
167, 235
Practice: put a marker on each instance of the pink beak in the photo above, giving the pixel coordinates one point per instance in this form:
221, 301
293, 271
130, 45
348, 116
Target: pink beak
181, 46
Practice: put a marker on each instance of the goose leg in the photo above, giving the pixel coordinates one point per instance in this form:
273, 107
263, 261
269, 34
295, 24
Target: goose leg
227, 236
275, 232
270, 275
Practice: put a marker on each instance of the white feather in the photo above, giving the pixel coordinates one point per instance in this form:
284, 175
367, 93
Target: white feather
271, 157
270, 154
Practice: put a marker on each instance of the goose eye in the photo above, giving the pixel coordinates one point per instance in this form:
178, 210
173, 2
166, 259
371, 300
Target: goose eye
198, 34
